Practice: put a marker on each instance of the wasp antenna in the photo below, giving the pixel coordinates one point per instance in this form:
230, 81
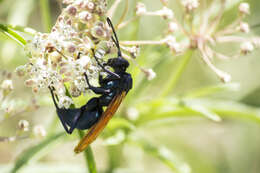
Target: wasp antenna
115, 40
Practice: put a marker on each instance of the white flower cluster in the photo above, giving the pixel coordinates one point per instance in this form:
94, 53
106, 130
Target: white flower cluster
65, 54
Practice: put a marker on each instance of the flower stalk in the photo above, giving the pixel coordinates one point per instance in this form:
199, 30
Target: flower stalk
89, 156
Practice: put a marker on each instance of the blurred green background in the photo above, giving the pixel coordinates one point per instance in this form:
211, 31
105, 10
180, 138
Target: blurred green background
195, 143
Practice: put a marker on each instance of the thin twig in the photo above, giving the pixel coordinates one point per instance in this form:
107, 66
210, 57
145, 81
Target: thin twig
142, 42
216, 21
237, 39
125, 23
123, 15
113, 8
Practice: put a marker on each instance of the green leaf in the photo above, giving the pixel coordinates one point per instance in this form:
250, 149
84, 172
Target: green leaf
119, 123
12, 34
163, 154
205, 91
205, 112
252, 98
31, 152
161, 109
26, 30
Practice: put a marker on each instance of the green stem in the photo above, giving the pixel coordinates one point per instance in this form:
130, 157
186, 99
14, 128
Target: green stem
89, 157
45, 13
12, 34
177, 73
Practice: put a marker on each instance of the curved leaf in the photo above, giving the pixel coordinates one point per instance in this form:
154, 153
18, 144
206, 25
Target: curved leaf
29, 153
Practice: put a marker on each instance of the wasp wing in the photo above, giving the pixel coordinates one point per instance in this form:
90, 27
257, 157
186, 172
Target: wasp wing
97, 128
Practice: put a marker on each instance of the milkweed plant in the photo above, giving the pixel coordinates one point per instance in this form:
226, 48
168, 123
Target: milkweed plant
61, 55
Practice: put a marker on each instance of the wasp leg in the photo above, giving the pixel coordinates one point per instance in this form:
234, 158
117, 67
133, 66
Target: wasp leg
59, 111
75, 121
97, 90
106, 70
53, 98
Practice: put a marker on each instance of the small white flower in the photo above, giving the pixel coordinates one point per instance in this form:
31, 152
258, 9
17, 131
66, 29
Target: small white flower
23, 125
39, 131
72, 10
150, 74
190, 5
225, 77
21, 70
244, 27
65, 102
173, 44
172, 27
7, 85
100, 53
134, 50
30, 82
55, 57
85, 16
98, 32
132, 113
256, 42
246, 47
244, 8
67, 2
140, 9
83, 61
90, 5
166, 13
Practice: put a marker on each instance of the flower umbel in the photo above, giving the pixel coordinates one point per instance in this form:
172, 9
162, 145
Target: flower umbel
62, 56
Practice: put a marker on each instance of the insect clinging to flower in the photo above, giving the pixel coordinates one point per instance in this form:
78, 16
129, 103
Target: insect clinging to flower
113, 88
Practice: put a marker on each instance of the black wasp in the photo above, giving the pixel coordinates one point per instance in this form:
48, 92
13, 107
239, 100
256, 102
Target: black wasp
112, 90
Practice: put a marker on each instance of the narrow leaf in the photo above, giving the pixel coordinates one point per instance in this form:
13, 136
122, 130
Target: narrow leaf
213, 89
205, 112
12, 34
163, 154
29, 153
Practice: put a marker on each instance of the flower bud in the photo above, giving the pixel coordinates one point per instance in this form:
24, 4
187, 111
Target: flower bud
244, 27
150, 74
90, 6
67, 2
173, 44
84, 61
98, 32
190, 5
71, 10
166, 13
71, 48
246, 47
30, 82
20, 71
55, 57
244, 8
39, 131
7, 85
65, 101
85, 16
140, 9
132, 113
172, 27
23, 125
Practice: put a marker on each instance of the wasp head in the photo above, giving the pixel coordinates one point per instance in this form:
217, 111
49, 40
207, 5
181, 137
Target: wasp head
119, 64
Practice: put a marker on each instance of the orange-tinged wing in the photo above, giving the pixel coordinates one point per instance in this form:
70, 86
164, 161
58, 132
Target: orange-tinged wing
97, 128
